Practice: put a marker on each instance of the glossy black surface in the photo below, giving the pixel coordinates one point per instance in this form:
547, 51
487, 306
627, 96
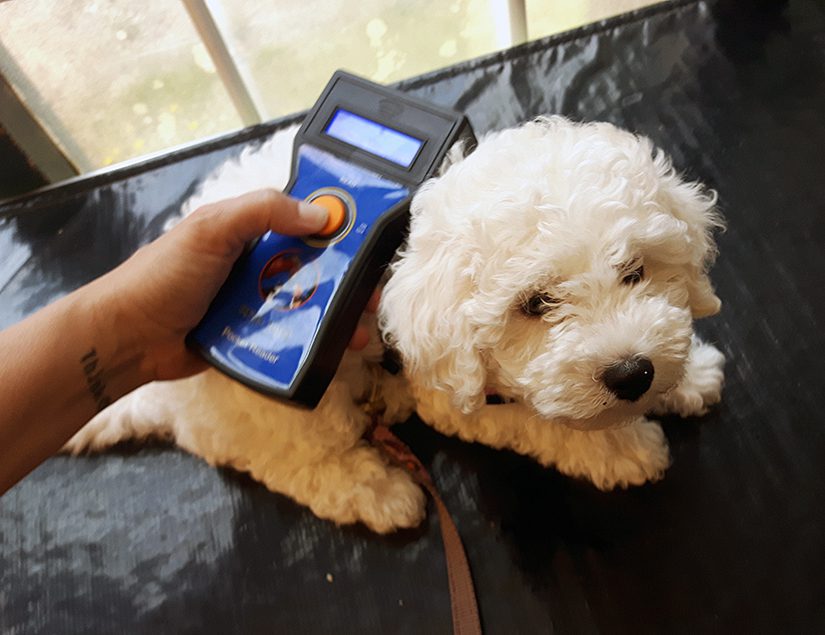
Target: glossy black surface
733, 540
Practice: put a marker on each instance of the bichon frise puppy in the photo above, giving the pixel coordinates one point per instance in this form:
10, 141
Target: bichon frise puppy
559, 266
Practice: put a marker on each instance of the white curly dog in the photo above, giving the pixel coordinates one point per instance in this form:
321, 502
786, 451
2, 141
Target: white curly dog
559, 265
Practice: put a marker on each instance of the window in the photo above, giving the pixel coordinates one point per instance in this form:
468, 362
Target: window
110, 80
288, 50
546, 17
113, 79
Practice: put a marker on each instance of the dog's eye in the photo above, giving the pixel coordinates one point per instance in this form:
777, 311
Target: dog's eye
635, 276
538, 304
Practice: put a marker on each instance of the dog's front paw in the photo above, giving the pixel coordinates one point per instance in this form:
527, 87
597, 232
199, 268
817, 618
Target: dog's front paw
358, 486
399, 403
701, 386
397, 503
626, 471
621, 457
384, 502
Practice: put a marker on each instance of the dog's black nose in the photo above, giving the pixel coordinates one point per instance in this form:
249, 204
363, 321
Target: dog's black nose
630, 378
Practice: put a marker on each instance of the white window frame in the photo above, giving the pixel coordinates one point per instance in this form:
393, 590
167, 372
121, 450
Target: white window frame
510, 20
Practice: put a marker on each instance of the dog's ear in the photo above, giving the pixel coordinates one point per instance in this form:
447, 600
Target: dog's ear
703, 299
696, 207
426, 306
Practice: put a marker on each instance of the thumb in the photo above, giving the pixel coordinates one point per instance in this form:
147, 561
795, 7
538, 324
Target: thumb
251, 215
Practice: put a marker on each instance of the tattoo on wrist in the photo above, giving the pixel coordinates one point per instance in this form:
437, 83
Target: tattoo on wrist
94, 379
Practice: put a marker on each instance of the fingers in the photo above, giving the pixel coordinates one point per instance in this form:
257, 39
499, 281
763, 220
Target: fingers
360, 339
375, 298
236, 221
283, 214
244, 218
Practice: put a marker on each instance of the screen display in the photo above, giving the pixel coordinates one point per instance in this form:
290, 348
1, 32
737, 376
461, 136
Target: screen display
373, 137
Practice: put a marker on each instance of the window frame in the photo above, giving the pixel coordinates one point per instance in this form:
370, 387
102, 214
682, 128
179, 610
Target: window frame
47, 153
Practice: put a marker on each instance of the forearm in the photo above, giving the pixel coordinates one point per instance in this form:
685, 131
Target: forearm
58, 368
65, 363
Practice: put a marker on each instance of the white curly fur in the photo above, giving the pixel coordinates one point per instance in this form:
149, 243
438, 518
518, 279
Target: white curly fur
552, 207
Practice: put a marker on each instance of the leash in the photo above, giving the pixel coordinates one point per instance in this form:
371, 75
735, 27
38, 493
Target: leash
463, 603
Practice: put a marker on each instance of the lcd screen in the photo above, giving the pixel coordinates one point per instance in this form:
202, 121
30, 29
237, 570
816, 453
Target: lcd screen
373, 137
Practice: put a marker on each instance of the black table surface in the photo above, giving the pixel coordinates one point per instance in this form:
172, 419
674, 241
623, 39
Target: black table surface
150, 539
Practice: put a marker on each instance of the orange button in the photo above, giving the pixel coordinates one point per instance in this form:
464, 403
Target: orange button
337, 210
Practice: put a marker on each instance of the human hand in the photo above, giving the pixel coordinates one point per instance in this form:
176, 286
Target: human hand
165, 288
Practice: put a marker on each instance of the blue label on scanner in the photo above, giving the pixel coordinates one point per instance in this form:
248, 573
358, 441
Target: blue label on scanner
264, 320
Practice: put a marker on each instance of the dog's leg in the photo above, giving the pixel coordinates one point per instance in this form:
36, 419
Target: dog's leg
354, 485
701, 386
397, 398
631, 454
314, 456
142, 414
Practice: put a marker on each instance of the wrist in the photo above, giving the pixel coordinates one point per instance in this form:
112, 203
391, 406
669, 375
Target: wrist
116, 337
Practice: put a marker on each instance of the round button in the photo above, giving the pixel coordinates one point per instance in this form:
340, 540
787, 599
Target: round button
337, 210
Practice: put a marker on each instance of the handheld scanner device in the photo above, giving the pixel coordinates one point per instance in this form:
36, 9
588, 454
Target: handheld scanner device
283, 319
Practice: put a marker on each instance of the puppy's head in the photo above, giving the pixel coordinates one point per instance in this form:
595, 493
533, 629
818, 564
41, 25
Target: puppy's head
559, 264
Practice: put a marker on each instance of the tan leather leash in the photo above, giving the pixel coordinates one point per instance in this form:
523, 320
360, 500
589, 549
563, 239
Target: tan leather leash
466, 619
